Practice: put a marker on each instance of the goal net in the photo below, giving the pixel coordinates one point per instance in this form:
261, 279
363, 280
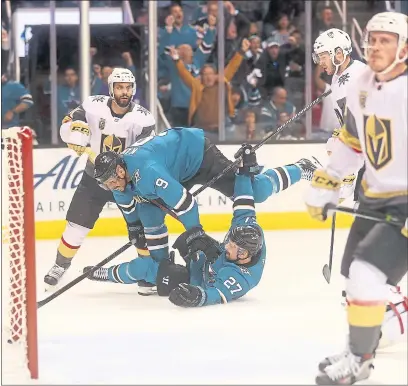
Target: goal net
19, 360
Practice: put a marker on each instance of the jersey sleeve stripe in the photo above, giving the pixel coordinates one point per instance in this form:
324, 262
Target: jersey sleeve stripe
182, 199
153, 237
186, 205
155, 248
126, 206
223, 298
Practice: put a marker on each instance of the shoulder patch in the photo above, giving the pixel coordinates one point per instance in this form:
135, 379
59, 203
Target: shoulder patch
98, 98
141, 109
245, 271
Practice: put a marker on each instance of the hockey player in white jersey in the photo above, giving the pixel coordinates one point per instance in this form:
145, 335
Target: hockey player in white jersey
105, 124
332, 51
374, 132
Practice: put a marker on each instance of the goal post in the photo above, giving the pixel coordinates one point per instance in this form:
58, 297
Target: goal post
19, 303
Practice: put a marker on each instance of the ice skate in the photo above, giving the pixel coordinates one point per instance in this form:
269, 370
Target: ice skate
331, 360
146, 289
53, 277
308, 167
101, 274
346, 371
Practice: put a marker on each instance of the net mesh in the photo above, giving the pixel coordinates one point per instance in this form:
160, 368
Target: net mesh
14, 328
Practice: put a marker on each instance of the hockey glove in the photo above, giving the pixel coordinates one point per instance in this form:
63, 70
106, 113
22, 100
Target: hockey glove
323, 190
404, 230
137, 237
194, 240
249, 166
186, 295
77, 148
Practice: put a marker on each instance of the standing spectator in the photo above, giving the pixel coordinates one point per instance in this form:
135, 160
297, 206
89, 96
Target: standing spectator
254, 10
15, 99
325, 21
204, 103
252, 57
69, 93
272, 68
272, 110
175, 32
283, 29
100, 86
180, 94
294, 52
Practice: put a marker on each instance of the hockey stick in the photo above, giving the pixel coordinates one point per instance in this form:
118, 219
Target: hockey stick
264, 140
327, 268
84, 275
368, 215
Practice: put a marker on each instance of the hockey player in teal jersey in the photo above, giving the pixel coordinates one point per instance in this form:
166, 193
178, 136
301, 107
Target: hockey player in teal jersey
165, 168
240, 266
235, 269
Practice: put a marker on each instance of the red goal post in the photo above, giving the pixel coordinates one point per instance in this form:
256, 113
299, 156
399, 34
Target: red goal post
19, 303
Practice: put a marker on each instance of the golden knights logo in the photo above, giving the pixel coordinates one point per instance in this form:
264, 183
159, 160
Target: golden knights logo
377, 133
112, 143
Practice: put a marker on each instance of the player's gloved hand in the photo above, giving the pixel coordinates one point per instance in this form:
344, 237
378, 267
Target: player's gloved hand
249, 166
324, 189
187, 295
77, 148
194, 240
404, 230
137, 237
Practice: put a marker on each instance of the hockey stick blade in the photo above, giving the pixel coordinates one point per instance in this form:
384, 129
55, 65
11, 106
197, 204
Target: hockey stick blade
326, 273
83, 276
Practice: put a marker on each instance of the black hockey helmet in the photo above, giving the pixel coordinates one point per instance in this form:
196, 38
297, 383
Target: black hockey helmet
248, 238
105, 166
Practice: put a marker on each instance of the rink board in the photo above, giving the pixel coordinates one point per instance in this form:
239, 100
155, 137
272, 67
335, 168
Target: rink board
57, 173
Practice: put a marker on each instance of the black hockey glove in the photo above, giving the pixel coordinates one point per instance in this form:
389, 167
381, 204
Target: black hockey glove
136, 235
194, 240
186, 295
250, 165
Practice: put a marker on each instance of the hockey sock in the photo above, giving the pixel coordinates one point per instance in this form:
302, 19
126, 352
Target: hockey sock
65, 253
133, 271
70, 242
366, 293
275, 180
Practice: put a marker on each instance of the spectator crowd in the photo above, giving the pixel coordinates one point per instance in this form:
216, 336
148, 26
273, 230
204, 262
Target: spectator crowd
264, 72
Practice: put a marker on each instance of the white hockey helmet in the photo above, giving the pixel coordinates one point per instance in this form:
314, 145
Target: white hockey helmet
120, 75
330, 41
392, 22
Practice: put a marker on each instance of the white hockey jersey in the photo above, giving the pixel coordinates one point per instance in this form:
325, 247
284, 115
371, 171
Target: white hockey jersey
94, 124
339, 86
376, 126
341, 83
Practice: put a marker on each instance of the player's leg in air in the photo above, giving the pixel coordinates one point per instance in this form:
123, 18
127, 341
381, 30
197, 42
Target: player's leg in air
266, 183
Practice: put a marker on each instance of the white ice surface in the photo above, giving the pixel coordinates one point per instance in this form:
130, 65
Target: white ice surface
103, 333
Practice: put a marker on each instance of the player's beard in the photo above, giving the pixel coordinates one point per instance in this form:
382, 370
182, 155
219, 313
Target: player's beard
123, 102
